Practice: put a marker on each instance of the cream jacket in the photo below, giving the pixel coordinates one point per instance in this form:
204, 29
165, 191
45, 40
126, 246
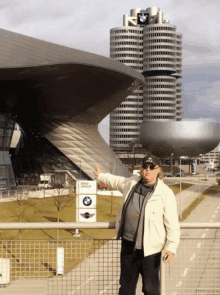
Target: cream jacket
161, 225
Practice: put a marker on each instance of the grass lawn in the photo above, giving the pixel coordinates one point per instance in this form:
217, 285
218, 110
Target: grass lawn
213, 190
38, 258
176, 187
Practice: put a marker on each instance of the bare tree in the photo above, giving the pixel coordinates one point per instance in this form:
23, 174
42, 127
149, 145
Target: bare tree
24, 209
61, 201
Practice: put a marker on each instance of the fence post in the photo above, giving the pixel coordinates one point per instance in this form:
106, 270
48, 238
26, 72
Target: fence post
162, 276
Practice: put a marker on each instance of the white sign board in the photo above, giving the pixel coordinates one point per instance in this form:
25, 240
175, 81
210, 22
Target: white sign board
86, 191
4, 271
86, 187
60, 261
211, 164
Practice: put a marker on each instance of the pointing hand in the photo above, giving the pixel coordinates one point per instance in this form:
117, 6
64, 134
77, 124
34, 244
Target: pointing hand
97, 171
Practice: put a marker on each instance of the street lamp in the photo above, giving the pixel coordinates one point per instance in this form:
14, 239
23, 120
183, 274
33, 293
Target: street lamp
200, 156
180, 189
172, 163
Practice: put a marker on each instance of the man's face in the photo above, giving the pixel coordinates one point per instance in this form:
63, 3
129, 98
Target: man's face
150, 172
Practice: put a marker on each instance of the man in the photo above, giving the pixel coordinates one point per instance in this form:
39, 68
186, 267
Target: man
147, 223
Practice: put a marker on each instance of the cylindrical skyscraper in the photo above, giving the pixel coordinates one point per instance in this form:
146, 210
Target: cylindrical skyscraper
150, 45
126, 46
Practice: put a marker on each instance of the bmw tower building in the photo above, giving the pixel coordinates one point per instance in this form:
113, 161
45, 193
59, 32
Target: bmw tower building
152, 46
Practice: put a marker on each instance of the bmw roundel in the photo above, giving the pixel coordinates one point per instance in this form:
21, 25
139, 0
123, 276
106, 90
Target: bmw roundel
143, 18
87, 201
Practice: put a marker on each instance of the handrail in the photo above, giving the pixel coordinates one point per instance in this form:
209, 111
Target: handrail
77, 225
56, 225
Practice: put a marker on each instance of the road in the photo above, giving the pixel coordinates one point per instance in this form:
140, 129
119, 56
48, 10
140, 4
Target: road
196, 267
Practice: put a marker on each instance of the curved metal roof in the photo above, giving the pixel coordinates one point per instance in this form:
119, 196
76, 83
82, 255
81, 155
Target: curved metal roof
63, 93
57, 82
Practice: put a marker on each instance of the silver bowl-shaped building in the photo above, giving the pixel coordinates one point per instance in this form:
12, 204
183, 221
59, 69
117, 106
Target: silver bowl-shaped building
184, 138
58, 96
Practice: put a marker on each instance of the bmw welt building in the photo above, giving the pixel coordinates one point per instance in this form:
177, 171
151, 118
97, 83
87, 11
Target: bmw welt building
55, 97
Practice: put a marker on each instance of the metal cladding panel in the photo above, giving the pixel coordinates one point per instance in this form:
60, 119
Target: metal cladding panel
103, 156
184, 138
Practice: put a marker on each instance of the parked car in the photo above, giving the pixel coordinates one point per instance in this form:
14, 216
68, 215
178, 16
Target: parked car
104, 187
168, 174
178, 174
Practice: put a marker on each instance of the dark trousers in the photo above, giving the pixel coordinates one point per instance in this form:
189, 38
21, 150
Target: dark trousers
133, 263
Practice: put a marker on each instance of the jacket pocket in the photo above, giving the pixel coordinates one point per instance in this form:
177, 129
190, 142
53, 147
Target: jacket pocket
155, 225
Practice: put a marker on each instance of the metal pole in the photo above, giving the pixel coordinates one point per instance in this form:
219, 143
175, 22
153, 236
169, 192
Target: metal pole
84, 225
77, 234
111, 202
199, 175
200, 156
172, 163
134, 155
162, 276
180, 191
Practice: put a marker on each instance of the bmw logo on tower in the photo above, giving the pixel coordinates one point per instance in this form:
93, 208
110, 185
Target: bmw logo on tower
142, 18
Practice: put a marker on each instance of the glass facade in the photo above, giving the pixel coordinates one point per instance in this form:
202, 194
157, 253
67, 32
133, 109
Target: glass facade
7, 180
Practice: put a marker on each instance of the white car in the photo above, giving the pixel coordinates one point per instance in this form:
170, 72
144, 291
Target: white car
44, 184
178, 174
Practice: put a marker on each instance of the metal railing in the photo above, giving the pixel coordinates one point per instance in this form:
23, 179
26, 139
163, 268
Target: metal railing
93, 266
34, 192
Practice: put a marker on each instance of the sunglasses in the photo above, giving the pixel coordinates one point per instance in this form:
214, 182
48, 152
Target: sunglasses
152, 167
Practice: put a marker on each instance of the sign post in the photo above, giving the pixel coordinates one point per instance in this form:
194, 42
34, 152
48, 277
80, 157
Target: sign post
77, 234
86, 191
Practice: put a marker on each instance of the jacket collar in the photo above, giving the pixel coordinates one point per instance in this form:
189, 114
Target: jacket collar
158, 188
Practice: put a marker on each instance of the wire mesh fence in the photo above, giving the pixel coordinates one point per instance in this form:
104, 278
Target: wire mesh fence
30, 267
84, 267
34, 192
195, 269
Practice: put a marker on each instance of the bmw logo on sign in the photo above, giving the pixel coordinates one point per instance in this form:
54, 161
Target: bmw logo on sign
87, 201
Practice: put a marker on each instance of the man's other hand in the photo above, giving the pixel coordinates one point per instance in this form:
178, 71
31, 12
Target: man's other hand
169, 256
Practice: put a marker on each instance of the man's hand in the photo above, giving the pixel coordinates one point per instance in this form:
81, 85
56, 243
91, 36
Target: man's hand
169, 256
97, 171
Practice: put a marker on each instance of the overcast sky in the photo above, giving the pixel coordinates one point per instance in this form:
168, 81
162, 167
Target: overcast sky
86, 24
